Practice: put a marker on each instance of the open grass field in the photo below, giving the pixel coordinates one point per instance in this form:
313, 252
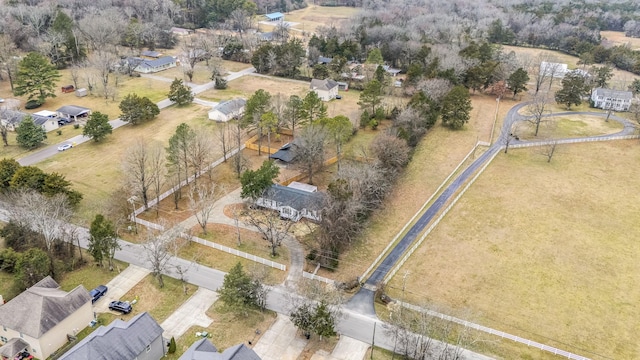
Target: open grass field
568, 127
95, 169
158, 302
621, 79
227, 329
618, 38
309, 18
542, 250
433, 160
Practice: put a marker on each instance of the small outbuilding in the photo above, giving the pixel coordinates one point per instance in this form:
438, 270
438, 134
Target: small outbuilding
82, 92
276, 16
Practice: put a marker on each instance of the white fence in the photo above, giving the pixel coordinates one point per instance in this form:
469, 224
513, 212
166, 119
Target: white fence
491, 331
419, 212
574, 141
311, 276
217, 246
435, 223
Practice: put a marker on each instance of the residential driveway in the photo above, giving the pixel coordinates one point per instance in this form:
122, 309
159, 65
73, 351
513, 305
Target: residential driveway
346, 349
120, 285
191, 313
280, 342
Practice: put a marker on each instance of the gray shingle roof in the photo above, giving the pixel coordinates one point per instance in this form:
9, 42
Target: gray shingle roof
204, 350
230, 106
158, 62
286, 153
616, 94
117, 341
41, 307
326, 84
40, 120
73, 110
12, 116
13, 347
153, 54
295, 198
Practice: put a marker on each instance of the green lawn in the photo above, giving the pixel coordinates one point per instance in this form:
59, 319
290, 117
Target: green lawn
90, 275
159, 302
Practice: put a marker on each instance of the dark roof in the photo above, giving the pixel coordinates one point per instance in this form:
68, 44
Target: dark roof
40, 120
616, 94
287, 153
41, 307
117, 341
295, 198
326, 84
13, 347
204, 350
158, 62
275, 15
153, 54
12, 116
73, 110
230, 106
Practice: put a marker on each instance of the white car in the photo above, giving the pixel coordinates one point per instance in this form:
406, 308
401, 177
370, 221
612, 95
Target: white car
64, 147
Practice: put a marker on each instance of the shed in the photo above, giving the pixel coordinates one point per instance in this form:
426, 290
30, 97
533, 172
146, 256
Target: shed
343, 85
68, 88
276, 16
82, 92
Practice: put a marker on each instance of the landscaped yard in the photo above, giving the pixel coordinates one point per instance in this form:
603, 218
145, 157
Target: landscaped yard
545, 251
562, 127
227, 329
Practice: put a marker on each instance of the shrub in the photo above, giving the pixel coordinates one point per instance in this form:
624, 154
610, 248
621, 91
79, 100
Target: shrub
76, 126
59, 132
32, 104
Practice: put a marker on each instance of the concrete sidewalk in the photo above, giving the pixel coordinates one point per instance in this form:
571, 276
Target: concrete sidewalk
120, 285
191, 313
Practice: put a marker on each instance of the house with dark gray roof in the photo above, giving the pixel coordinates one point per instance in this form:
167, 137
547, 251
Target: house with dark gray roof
139, 338
73, 112
286, 154
43, 317
227, 110
326, 89
11, 118
292, 203
153, 66
607, 99
204, 350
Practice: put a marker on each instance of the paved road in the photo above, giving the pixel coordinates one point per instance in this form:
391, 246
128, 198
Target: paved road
52, 150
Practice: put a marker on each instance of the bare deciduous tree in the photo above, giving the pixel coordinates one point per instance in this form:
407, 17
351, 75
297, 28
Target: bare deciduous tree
158, 250
548, 149
202, 199
268, 223
310, 149
46, 215
222, 133
537, 109
139, 171
200, 152
103, 62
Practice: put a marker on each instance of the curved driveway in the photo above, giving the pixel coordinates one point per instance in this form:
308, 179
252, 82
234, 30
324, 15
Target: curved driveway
363, 300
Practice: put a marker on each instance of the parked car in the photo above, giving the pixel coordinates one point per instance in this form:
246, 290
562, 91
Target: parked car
121, 306
97, 293
338, 97
64, 147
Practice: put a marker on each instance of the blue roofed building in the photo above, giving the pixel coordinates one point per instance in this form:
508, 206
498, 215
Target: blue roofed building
276, 16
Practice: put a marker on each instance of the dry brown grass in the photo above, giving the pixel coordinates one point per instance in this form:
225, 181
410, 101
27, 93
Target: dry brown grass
227, 329
568, 127
617, 38
95, 168
542, 250
314, 345
159, 302
223, 261
437, 155
621, 79
312, 16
